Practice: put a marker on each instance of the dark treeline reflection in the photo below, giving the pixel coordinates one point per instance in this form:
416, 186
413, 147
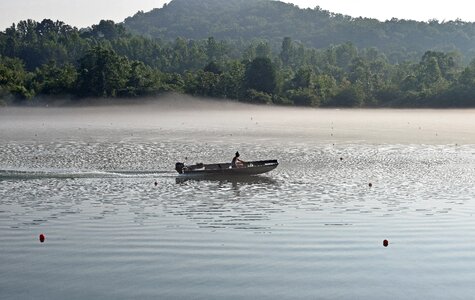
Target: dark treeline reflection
49, 60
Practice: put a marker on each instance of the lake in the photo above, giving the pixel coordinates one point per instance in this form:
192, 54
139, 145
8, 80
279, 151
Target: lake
99, 183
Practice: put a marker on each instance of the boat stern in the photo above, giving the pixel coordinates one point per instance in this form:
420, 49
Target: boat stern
179, 167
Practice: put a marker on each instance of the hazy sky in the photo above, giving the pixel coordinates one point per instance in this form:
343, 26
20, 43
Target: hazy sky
83, 13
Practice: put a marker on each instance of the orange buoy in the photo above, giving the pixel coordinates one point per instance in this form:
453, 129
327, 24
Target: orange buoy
385, 243
42, 238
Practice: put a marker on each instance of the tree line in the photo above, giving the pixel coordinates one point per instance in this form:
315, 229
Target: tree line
48, 60
246, 20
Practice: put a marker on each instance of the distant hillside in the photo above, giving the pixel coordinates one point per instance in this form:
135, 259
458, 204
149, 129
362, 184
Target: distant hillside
273, 20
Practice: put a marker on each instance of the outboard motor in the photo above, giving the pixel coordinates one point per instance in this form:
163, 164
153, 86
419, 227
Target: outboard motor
179, 167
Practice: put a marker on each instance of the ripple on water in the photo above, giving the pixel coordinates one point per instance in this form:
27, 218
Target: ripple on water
313, 227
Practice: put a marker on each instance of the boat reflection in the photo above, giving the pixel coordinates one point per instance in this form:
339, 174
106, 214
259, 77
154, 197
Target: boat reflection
228, 179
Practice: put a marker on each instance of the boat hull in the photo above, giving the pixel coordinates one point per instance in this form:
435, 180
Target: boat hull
225, 169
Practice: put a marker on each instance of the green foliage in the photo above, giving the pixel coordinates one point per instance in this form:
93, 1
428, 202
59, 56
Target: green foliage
38, 43
102, 73
287, 52
325, 88
50, 79
231, 80
13, 78
106, 29
202, 84
348, 96
246, 20
213, 67
258, 97
261, 75
303, 79
142, 80
173, 82
43, 59
467, 77
304, 97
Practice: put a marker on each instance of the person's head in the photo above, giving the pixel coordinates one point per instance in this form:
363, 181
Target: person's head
237, 154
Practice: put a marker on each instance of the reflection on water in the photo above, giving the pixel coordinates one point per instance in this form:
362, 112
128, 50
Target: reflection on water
235, 180
225, 201
119, 221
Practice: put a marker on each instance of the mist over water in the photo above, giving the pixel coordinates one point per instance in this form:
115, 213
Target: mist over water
311, 229
179, 113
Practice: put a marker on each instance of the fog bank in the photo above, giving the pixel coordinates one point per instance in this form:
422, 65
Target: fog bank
180, 115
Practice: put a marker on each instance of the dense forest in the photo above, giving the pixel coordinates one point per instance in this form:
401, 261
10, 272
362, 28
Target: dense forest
44, 62
246, 20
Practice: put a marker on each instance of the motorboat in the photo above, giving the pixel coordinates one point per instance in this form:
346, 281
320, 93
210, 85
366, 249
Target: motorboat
243, 169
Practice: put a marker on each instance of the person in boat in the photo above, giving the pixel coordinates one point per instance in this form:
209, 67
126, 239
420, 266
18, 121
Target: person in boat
236, 162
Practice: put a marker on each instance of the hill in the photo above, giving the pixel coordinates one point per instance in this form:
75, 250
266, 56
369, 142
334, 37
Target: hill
246, 20
44, 61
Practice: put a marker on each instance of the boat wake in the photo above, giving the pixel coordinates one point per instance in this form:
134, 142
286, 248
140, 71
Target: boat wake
76, 174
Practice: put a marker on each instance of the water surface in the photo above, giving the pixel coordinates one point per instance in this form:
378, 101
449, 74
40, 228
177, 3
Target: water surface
311, 229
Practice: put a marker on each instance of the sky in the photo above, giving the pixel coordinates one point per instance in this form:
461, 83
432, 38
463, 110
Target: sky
84, 13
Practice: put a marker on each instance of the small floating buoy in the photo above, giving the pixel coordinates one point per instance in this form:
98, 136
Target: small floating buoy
156, 183
341, 158
42, 238
370, 184
385, 243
